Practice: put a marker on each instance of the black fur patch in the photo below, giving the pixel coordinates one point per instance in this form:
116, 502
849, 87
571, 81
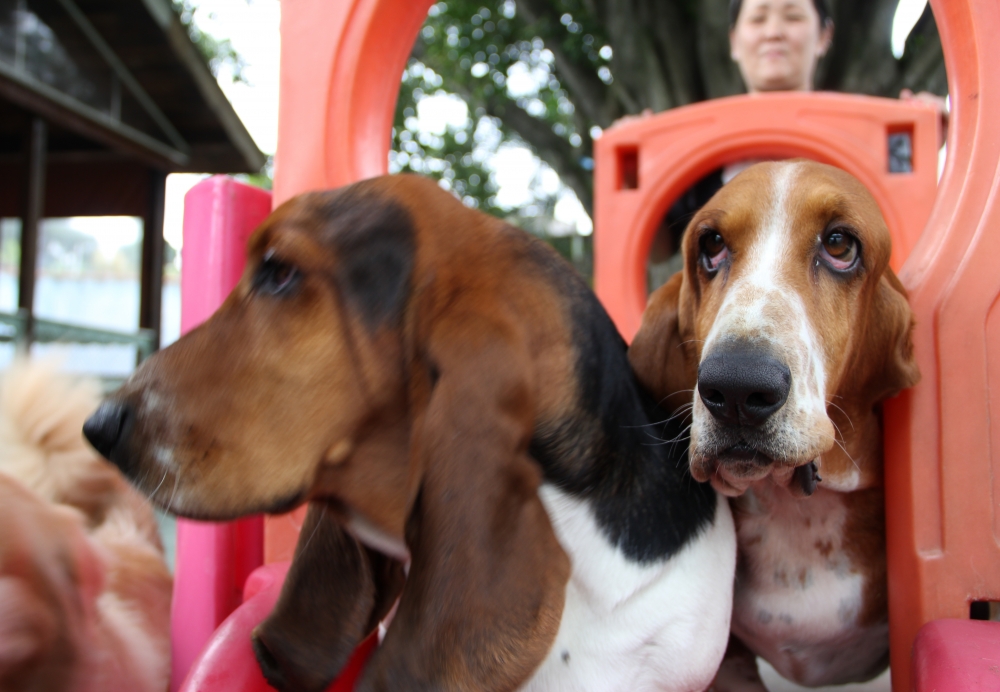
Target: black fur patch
373, 239
623, 455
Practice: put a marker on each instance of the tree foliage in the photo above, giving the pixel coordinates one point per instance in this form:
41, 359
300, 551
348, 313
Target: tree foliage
590, 62
216, 52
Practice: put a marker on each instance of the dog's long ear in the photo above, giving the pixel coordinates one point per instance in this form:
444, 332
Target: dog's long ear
880, 363
485, 591
885, 359
663, 362
335, 593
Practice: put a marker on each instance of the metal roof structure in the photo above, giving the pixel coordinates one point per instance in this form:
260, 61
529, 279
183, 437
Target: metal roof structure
117, 75
99, 101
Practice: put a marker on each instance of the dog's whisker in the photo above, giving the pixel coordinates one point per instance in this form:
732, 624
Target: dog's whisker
309, 540
678, 438
679, 391
840, 444
830, 403
159, 484
170, 503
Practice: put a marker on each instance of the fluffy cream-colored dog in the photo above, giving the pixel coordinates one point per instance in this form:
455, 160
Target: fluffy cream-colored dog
84, 589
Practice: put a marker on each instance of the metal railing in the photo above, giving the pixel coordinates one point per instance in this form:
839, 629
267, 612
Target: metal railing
18, 329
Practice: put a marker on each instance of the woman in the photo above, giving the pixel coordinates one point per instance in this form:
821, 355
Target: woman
777, 43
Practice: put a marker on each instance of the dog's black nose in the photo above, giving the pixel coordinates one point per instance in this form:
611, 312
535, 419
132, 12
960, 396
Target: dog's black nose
106, 427
743, 385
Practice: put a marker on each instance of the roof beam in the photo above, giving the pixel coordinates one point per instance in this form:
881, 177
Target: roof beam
106, 52
38, 97
188, 54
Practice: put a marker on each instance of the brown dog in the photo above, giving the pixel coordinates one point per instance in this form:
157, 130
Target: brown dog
792, 328
449, 392
84, 589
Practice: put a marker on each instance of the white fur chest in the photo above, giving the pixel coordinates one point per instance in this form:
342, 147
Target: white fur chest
629, 627
798, 597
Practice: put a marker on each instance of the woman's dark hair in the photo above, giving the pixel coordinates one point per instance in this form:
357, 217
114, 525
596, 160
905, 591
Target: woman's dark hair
822, 9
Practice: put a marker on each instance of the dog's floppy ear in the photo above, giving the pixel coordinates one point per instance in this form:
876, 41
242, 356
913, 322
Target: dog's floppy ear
886, 354
879, 365
485, 590
662, 360
335, 593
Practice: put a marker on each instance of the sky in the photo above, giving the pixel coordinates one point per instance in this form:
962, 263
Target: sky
253, 28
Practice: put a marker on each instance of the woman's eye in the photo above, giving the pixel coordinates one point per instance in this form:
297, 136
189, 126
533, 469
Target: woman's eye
713, 251
840, 249
276, 277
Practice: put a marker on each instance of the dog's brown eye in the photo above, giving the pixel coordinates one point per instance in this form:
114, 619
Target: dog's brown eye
713, 251
840, 249
276, 277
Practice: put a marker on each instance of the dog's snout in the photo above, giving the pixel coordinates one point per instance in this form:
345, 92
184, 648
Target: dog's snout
105, 429
743, 386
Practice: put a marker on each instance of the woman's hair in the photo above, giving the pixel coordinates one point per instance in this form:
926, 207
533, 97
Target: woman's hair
822, 9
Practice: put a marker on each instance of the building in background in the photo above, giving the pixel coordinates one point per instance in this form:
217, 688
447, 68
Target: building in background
99, 101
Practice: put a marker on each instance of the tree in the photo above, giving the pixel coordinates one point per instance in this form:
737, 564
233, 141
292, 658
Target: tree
216, 53
552, 73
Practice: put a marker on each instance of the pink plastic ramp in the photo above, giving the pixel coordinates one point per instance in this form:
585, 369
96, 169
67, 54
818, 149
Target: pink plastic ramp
213, 560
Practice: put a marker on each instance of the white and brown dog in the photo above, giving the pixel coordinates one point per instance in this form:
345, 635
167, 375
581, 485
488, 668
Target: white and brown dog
791, 328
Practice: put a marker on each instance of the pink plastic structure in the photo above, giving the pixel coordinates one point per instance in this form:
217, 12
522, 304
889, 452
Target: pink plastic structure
228, 663
957, 656
213, 560
340, 66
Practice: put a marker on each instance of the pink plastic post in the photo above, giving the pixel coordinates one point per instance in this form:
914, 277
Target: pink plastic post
213, 560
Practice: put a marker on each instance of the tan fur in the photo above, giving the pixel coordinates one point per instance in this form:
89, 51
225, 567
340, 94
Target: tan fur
84, 589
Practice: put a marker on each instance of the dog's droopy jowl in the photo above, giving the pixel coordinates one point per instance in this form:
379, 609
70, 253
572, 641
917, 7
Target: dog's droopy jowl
448, 393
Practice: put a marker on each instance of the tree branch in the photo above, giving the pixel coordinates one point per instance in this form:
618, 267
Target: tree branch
922, 65
673, 49
549, 146
861, 58
719, 73
590, 94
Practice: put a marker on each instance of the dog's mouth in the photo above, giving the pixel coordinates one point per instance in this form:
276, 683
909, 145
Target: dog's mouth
182, 507
743, 454
741, 464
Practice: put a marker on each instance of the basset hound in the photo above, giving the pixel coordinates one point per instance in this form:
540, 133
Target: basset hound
781, 336
450, 396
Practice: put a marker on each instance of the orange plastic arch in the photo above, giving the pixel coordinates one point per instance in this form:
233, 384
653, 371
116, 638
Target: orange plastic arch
341, 64
644, 165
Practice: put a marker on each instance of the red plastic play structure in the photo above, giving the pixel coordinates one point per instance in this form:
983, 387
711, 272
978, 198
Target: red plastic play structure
341, 63
645, 165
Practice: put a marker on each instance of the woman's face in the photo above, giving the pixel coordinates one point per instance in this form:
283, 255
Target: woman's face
776, 44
